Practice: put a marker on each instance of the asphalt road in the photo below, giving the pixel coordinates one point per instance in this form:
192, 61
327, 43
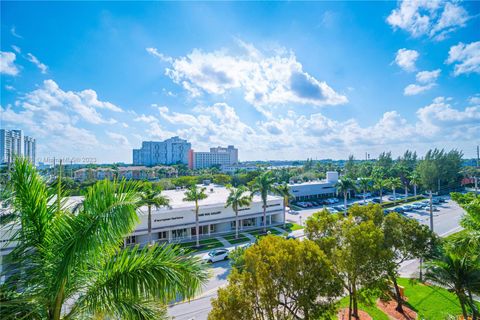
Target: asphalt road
446, 221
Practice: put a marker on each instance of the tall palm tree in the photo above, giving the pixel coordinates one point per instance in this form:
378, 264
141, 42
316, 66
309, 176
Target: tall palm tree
344, 186
405, 183
283, 190
394, 183
238, 198
461, 274
195, 194
415, 181
263, 184
70, 264
365, 185
379, 184
151, 197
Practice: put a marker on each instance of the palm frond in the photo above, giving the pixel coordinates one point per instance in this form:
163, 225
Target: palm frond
157, 273
106, 217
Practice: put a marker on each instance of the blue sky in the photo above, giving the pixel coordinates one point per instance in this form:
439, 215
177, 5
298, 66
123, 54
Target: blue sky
280, 80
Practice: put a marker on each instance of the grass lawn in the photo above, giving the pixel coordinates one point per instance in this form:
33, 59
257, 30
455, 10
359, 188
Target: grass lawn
231, 238
207, 244
430, 302
289, 227
373, 311
259, 232
455, 235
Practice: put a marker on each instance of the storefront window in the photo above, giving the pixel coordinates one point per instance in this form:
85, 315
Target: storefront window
163, 235
130, 240
179, 233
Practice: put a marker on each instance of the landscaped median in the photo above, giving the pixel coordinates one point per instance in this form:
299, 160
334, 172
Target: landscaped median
206, 244
389, 204
214, 243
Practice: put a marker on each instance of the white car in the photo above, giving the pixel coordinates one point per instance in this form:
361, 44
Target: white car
215, 255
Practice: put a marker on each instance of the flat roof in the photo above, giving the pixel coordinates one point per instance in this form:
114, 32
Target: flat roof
218, 196
315, 182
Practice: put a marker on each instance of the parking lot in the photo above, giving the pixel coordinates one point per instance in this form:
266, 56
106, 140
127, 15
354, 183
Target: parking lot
446, 216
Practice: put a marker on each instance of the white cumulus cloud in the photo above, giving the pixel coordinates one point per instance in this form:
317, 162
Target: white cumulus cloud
434, 19
414, 89
406, 59
7, 63
466, 58
265, 80
118, 138
428, 76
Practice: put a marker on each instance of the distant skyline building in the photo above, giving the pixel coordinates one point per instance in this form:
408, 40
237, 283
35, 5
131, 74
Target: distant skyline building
15, 143
170, 151
216, 156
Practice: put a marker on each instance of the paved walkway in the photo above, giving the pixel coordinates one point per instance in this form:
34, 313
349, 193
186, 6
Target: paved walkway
224, 241
279, 229
249, 236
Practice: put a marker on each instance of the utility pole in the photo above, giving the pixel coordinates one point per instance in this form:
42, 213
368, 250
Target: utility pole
478, 169
431, 211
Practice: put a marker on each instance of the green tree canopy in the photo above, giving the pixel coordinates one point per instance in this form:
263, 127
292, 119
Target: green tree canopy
281, 279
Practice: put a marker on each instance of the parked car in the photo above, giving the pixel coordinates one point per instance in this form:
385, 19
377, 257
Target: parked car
436, 201
398, 210
215, 255
433, 208
290, 236
407, 208
417, 206
376, 200
332, 210
386, 211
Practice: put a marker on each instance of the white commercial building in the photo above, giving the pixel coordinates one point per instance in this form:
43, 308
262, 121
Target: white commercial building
170, 151
177, 222
315, 189
216, 156
14, 143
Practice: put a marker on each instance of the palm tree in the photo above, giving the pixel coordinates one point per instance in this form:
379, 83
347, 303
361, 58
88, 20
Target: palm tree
415, 181
394, 183
196, 194
405, 183
461, 274
263, 184
237, 199
379, 184
283, 190
151, 197
365, 185
70, 264
344, 186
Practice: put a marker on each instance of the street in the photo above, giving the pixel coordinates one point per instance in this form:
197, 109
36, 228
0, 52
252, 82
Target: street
446, 221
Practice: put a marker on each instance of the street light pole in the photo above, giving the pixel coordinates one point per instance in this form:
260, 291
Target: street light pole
431, 211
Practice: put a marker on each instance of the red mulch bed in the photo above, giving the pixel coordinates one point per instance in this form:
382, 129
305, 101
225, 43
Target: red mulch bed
343, 315
388, 308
